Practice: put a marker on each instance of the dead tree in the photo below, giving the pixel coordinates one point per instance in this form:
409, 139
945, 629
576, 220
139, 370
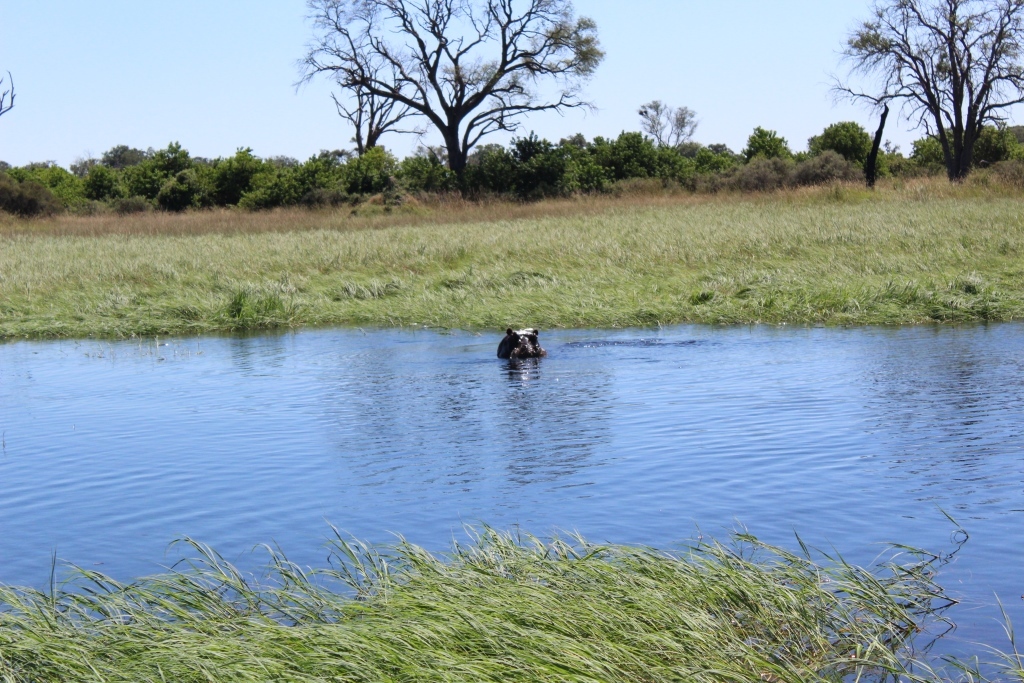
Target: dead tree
668, 126
468, 67
6, 96
953, 66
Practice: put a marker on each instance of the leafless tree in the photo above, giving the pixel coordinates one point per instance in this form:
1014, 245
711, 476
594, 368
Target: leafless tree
371, 115
469, 67
668, 126
6, 96
953, 65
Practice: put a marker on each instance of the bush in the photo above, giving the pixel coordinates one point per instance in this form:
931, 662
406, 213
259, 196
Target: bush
828, 167
322, 199
272, 188
848, 139
371, 173
123, 156
185, 191
425, 173
763, 175
766, 144
631, 155
26, 199
995, 145
1010, 172
64, 185
102, 184
233, 177
131, 205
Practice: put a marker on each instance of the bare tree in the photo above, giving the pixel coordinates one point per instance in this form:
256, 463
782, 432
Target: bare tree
469, 67
370, 114
953, 65
6, 96
669, 127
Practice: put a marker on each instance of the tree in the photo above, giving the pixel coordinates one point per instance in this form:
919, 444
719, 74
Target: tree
849, 139
668, 126
953, 65
6, 96
370, 114
469, 67
767, 144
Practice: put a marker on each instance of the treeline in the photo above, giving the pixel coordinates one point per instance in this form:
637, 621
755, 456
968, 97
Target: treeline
127, 180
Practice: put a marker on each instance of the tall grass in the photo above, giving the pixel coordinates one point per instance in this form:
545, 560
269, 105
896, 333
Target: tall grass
910, 253
507, 607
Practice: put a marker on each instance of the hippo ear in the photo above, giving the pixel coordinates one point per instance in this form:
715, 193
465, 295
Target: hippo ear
508, 331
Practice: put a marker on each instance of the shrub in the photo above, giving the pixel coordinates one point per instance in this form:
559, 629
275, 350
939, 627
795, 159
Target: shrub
848, 139
763, 175
631, 155
371, 173
131, 205
995, 145
123, 156
102, 184
27, 198
185, 191
766, 144
272, 188
64, 185
425, 173
233, 177
1010, 172
828, 167
490, 169
322, 199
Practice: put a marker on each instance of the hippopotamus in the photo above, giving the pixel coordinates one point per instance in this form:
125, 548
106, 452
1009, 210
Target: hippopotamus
520, 344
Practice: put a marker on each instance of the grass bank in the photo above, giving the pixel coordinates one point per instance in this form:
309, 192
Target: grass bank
909, 253
506, 608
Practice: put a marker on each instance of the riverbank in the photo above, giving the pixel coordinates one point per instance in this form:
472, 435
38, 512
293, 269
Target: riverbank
910, 253
507, 608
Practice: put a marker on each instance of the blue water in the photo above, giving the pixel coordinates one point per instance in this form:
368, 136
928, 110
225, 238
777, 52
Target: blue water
850, 437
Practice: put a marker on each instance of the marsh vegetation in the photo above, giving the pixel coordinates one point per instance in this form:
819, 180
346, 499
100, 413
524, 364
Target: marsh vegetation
507, 607
913, 252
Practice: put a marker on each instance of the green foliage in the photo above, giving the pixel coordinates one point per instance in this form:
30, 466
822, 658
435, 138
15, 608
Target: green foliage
631, 155
26, 198
102, 184
171, 161
927, 154
371, 173
848, 139
506, 607
186, 190
123, 156
707, 160
233, 177
996, 144
272, 187
827, 167
425, 173
766, 144
64, 185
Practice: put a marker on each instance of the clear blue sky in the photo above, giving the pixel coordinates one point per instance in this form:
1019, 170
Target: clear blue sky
219, 74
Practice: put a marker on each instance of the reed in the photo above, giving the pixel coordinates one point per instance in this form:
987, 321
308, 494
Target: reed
910, 253
504, 607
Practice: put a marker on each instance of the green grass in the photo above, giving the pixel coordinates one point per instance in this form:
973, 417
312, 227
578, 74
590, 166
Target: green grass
836, 256
504, 608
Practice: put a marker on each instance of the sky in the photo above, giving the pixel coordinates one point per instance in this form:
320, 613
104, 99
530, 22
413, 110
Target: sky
217, 75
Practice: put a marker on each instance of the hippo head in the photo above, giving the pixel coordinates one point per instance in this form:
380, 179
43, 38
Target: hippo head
520, 344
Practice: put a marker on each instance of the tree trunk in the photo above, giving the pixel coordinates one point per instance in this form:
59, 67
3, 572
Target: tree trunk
871, 167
